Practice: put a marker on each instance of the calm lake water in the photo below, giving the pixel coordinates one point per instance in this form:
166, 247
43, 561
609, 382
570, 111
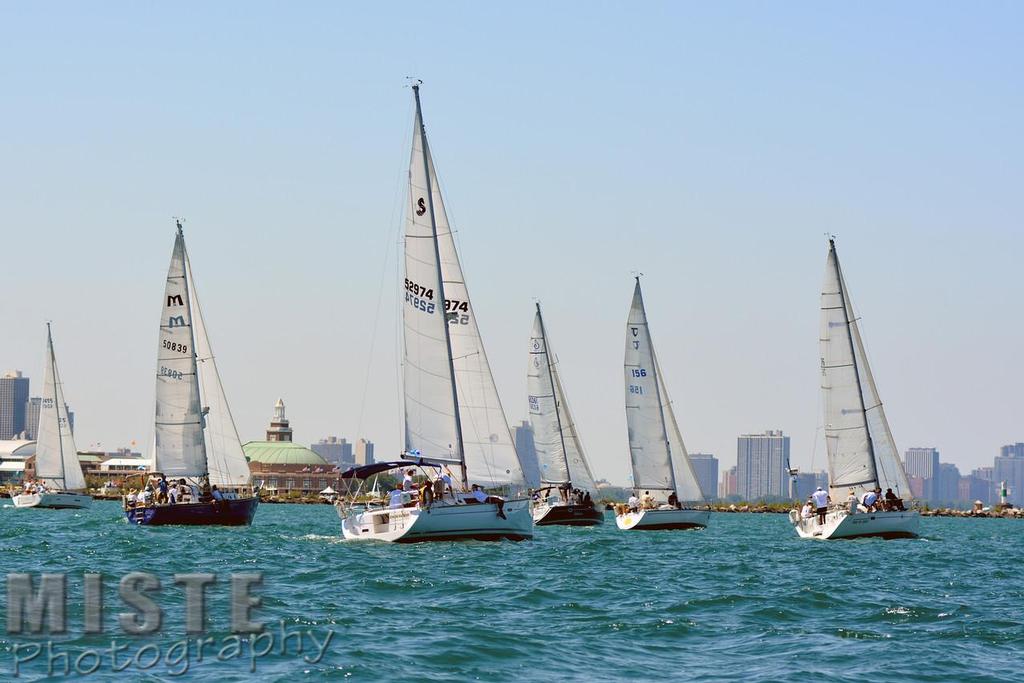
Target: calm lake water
743, 599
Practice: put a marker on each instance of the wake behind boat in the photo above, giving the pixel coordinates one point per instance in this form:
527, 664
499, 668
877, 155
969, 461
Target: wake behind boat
567, 485
196, 445
862, 455
663, 476
453, 415
61, 483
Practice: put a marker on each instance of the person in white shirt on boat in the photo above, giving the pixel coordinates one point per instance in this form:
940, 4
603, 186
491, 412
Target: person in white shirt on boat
821, 500
868, 500
648, 501
407, 482
481, 496
851, 502
146, 496
633, 503
807, 511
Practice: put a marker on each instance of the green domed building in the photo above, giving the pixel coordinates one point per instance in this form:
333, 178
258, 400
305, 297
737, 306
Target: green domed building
283, 465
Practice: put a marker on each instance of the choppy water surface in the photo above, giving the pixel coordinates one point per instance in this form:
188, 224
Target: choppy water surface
744, 599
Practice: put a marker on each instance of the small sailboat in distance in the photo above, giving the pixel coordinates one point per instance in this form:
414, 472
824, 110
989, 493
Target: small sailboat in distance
663, 477
454, 422
196, 446
567, 485
862, 455
60, 481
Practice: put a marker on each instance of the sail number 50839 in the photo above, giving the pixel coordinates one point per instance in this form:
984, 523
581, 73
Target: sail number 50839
174, 346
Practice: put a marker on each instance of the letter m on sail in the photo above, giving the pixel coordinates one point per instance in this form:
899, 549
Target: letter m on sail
174, 300
176, 321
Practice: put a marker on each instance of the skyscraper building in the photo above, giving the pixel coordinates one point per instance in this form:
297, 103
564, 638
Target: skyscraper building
335, 451
527, 451
1009, 467
805, 483
922, 463
728, 485
13, 402
705, 466
364, 452
947, 484
761, 462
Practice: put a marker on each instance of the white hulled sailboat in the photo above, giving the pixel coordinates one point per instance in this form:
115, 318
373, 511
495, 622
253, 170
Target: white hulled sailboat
453, 416
663, 477
567, 485
196, 439
59, 479
862, 455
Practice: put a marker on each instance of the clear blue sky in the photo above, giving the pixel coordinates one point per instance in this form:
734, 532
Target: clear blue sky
708, 145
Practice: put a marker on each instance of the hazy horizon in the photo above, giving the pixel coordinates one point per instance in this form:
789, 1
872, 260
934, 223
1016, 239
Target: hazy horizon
710, 147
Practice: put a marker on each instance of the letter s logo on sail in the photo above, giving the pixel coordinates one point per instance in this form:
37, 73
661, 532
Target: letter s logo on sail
421, 207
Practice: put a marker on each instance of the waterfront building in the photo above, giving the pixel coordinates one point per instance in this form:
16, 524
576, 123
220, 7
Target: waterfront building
1009, 467
13, 402
805, 483
527, 451
727, 488
283, 466
335, 451
923, 463
761, 466
705, 466
13, 455
364, 452
947, 484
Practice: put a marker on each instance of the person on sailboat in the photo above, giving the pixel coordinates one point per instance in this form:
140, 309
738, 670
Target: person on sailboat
633, 503
395, 497
893, 502
426, 494
807, 511
407, 482
867, 501
648, 501
821, 501
673, 500
481, 497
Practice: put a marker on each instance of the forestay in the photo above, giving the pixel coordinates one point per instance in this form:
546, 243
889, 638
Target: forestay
648, 439
180, 450
861, 450
559, 451
489, 452
57, 464
225, 458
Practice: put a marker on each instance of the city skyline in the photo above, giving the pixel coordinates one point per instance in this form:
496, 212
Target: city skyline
707, 149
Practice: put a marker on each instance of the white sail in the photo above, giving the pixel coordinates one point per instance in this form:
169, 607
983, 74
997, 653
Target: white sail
559, 451
687, 485
180, 450
225, 460
489, 452
648, 438
57, 464
861, 450
430, 422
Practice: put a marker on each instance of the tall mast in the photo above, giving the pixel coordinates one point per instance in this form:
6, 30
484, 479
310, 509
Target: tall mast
440, 287
853, 359
657, 393
56, 408
192, 339
554, 393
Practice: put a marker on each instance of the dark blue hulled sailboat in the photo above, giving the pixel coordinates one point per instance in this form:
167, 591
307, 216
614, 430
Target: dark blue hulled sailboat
197, 446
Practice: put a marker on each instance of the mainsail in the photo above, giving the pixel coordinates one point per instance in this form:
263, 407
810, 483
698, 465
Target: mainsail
443, 347
861, 450
559, 451
648, 437
180, 447
57, 464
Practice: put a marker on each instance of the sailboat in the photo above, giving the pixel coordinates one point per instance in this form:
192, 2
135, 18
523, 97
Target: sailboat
61, 483
196, 439
663, 477
453, 416
563, 468
862, 454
